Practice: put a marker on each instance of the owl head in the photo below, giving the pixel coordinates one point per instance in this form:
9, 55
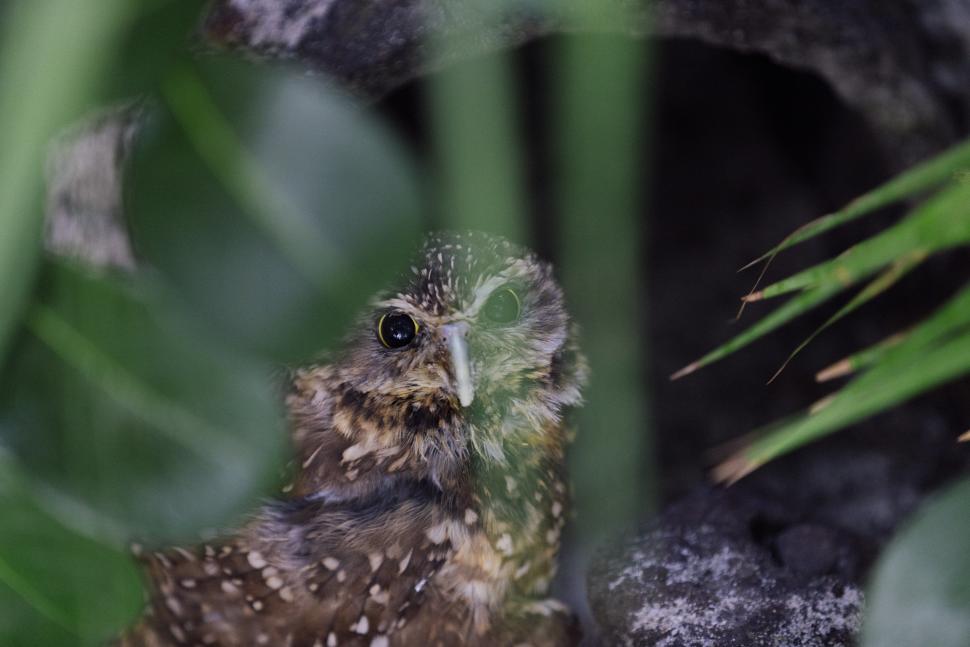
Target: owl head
471, 354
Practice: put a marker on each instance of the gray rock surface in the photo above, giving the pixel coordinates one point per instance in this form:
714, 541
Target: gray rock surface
779, 559
904, 65
706, 574
84, 219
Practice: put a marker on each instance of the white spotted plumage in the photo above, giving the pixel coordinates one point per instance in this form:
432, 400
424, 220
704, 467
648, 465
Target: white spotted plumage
417, 516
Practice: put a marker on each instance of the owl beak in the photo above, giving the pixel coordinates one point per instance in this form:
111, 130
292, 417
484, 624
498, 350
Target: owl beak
455, 335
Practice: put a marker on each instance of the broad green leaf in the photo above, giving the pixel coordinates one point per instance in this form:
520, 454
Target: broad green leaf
57, 587
155, 41
273, 206
920, 592
131, 420
52, 55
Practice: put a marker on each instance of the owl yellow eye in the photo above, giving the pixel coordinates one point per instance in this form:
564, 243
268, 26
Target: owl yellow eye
502, 306
396, 329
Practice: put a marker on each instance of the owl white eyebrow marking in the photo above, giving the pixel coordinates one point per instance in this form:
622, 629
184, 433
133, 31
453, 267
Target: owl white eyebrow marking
397, 303
484, 290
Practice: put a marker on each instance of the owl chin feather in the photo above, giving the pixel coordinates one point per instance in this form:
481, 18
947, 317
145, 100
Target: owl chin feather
430, 488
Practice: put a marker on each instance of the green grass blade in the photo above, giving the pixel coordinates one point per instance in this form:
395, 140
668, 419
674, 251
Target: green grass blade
879, 285
780, 316
857, 361
921, 177
951, 319
936, 351
942, 221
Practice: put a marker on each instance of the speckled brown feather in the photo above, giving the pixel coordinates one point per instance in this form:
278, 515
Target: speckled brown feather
411, 520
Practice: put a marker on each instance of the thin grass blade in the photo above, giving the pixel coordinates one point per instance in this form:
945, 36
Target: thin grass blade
882, 283
920, 178
782, 315
863, 359
907, 369
940, 222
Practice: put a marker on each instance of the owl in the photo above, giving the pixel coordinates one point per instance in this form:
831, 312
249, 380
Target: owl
429, 489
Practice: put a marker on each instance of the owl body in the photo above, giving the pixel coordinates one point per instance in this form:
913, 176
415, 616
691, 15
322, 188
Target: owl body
430, 488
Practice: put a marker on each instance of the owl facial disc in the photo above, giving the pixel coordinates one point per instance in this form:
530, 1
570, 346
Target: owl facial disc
454, 335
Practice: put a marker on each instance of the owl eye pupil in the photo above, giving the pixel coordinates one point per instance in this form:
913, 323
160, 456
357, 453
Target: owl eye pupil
502, 307
396, 329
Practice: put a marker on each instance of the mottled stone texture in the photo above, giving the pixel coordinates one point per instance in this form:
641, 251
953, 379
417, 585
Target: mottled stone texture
780, 559
84, 218
905, 65
704, 576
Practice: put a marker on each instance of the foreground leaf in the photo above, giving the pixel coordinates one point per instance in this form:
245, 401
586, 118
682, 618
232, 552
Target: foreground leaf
920, 592
57, 587
128, 419
271, 204
52, 56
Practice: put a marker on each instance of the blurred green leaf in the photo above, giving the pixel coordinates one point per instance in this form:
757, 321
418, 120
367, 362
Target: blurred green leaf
479, 161
129, 420
600, 87
271, 204
57, 587
160, 34
52, 56
920, 592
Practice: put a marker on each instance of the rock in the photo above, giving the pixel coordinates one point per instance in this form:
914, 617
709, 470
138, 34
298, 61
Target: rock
707, 574
83, 213
904, 65
811, 549
780, 558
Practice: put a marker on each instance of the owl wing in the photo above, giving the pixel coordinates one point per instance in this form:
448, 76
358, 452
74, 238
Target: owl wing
308, 578
215, 594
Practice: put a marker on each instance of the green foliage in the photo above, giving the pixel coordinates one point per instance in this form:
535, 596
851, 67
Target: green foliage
920, 592
117, 407
52, 56
57, 586
600, 139
257, 193
265, 208
933, 352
